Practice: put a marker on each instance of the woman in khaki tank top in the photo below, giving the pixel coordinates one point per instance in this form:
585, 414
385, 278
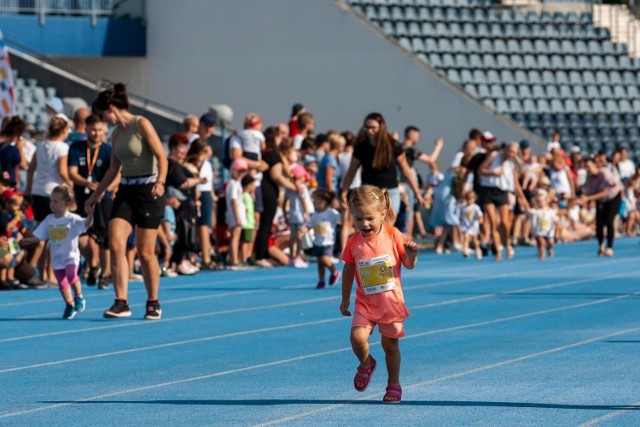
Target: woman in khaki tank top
139, 157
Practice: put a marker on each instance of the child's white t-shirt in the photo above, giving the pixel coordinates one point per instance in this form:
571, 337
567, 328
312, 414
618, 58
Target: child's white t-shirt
324, 226
62, 234
234, 192
544, 222
470, 219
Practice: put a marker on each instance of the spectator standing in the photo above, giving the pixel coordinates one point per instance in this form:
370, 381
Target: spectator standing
306, 124
413, 154
199, 155
273, 177
88, 162
296, 111
12, 159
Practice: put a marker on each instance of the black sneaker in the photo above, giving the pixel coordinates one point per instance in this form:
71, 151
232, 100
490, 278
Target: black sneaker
94, 274
69, 312
120, 308
103, 282
154, 312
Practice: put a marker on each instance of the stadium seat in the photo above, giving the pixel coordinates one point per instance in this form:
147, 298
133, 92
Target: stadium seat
471, 90
506, 76
525, 92
466, 76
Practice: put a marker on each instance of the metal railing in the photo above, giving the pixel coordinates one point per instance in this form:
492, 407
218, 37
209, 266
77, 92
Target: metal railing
42, 8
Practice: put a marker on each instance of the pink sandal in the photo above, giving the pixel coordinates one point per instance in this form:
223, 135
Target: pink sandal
393, 394
363, 376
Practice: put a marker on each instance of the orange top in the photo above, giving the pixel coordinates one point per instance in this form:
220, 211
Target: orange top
377, 261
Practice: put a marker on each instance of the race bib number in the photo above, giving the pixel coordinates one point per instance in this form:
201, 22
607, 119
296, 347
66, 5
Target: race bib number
376, 274
58, 234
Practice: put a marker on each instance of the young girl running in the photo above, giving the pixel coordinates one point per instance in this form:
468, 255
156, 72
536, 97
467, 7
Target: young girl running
62, 228
373, 256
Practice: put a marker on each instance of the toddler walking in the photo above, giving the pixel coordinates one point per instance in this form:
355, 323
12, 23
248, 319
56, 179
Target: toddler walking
470, 220
373, 257
543, 219
62, 228
323, 222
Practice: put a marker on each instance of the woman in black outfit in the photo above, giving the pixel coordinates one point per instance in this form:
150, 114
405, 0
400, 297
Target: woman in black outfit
603, 187
272, 178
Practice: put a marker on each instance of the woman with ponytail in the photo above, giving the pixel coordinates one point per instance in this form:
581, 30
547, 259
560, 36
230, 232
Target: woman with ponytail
379, 155
139, 156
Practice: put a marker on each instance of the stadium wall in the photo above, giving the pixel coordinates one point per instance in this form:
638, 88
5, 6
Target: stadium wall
263, 56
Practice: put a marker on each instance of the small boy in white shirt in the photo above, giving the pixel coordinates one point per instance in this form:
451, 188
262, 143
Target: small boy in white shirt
470, 220
323, 222
236, 211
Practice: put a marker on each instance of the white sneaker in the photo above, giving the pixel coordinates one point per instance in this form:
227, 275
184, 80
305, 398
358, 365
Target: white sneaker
299, 263
478, 253
135, 277
185, 269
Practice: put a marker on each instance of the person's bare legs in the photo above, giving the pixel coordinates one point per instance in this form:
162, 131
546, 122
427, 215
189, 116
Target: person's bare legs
391, 348
492, 219
119, 231
146, 243
360, 346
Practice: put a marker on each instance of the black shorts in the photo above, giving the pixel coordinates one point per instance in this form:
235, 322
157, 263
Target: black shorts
41, 208
136, 205
494, 196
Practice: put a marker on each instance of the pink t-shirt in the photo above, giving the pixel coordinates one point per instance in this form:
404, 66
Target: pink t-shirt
377, 262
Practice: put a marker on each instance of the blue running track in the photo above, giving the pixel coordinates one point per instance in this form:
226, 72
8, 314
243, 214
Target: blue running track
516, 343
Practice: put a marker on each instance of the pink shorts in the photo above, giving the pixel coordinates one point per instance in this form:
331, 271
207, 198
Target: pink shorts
389, 330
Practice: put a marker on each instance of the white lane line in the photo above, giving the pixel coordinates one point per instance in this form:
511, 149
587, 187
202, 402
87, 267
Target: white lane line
134, 289
306, 324
408, 274
173, 319
461, 374
314, 355
623, 410
294, 303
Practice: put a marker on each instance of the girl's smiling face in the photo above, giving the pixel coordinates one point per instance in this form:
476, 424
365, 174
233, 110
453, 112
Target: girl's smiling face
368, 221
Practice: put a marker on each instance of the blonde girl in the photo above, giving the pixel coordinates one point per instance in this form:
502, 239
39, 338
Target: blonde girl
373, 257
63, 228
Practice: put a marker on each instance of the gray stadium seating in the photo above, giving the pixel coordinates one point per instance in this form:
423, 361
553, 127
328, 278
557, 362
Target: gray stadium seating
542, 69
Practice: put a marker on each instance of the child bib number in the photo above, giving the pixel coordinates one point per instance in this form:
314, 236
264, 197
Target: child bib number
57, 234
376, 274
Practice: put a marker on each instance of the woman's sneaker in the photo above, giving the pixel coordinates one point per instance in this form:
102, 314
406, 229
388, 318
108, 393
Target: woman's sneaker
120, 308
69, 312
81, 304
154, 312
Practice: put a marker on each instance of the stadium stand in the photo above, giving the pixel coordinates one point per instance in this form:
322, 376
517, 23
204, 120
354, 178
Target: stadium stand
545, 70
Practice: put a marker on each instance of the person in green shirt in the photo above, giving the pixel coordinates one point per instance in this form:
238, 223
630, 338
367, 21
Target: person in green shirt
249, 228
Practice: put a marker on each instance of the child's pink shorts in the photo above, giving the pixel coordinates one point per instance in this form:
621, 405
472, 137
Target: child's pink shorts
389, 330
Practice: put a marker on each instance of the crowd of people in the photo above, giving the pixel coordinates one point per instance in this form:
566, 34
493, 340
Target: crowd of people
136, 211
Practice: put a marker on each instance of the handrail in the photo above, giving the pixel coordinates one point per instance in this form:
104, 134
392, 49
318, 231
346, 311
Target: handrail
89, 80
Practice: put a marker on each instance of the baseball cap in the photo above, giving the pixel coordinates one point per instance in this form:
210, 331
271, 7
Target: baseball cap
240, 164
524, 144
308, 158
575, 149
209, 119
488, 136
296, 108
55, 104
